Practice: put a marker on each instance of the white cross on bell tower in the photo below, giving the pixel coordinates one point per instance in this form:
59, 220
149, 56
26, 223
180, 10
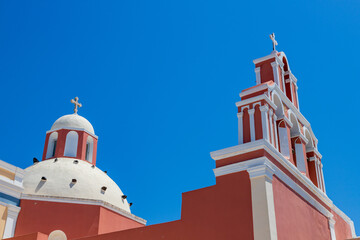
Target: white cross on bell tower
272, 37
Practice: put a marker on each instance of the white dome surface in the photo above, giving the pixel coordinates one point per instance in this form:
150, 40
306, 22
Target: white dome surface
59, 175
73, 121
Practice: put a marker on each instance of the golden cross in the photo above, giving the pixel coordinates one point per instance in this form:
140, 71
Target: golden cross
272, 37
77, 104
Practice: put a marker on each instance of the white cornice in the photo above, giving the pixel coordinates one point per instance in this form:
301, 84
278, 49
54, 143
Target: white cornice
84, 201
255, 99
346, 219
263, 144
254, 90
265, 163
315, 151
76, 129
262, 59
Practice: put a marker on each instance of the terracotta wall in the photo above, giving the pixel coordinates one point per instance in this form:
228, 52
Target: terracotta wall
218, 212
295, 218
76, 220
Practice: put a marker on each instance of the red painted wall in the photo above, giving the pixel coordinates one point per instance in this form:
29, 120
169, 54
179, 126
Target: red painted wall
266, 70
32, 236
218, 212
76, 220
342, 228
258, 123
295, 218
110, 222
246, 126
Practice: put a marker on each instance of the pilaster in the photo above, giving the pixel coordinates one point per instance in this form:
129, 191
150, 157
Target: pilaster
240, 127
258, 77
252, 124
263, 208
264, 121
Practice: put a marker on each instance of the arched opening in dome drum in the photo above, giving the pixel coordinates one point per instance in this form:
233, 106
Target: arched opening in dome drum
52, 145
89, 149
71, 144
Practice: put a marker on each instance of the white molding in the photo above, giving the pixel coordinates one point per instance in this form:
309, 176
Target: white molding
261, 170
258, 76
262, 144
332, 228
346, 219
86, 202
262, 199
295, 110
254, 90
264, 122
240, 128
271, 127
276, 74
255, 163
76, 129
262, 59
256, 99
315, 151
252, 124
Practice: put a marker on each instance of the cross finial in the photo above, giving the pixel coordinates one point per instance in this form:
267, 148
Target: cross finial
76, 103
272, 37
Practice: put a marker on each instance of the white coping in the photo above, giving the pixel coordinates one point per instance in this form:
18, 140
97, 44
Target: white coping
250, 165
273, 54
255, 99
86, 202
254, 90
263, 144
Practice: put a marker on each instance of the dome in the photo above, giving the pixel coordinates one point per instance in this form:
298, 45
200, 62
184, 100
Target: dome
59, 175
73, 121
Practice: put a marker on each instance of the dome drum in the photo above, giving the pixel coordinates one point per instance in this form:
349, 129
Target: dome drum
71, 136
71, 144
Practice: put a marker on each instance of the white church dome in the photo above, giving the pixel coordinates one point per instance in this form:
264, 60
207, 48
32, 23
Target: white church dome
58, 182
73, 121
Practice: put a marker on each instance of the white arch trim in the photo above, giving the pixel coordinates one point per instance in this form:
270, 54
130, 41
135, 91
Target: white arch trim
278, 111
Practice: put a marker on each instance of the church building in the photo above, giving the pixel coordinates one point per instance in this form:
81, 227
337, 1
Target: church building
269, 186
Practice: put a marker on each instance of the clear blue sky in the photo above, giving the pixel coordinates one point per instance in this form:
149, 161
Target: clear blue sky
159, 81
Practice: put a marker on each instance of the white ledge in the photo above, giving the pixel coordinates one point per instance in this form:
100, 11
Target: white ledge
84, 201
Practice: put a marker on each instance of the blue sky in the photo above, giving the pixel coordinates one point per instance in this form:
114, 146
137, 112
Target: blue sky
159, 81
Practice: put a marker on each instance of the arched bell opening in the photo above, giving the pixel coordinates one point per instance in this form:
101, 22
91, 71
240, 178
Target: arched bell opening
71, 144
51, 148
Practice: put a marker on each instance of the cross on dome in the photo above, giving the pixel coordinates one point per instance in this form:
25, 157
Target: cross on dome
76, 103
272, 37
